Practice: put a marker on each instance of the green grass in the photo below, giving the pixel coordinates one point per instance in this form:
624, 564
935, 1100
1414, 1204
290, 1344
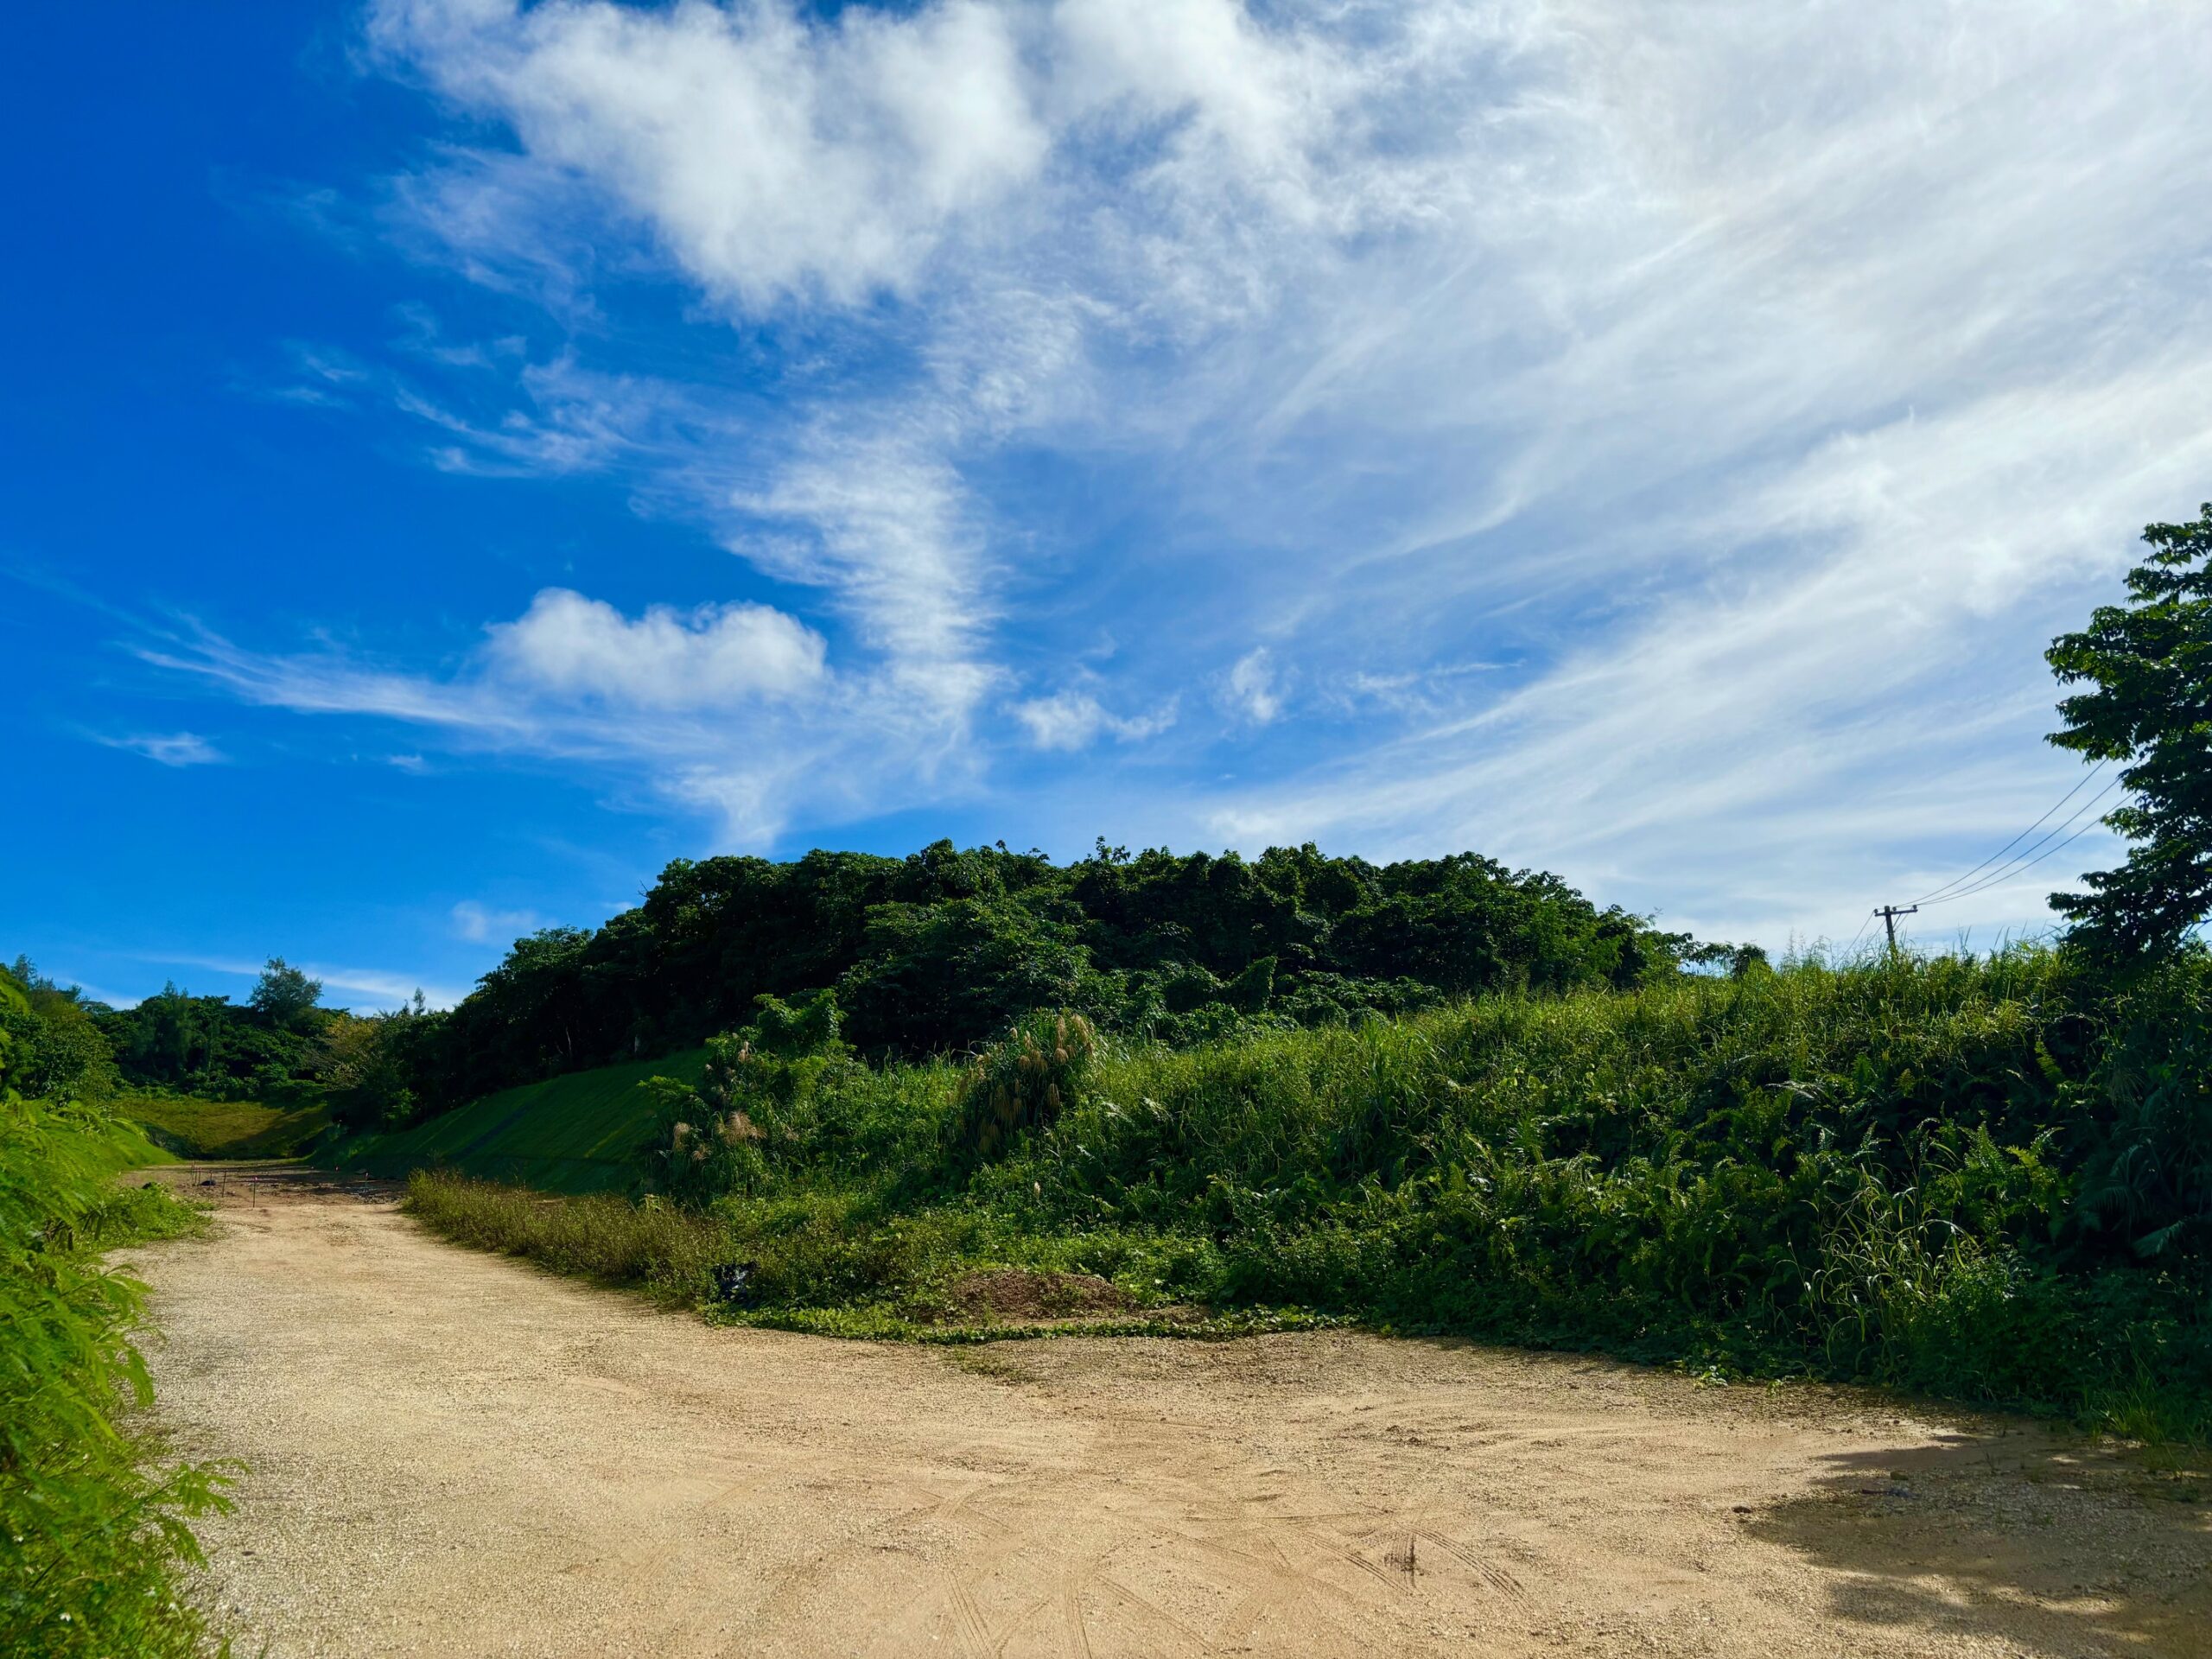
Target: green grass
654, 1247
672, 1255
225, 1128
112, 1145
581, 1132
95, 1538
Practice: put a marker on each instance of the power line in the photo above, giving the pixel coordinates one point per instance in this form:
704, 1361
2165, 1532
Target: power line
2035, 851
2031, 855
1960, 880
2022, 869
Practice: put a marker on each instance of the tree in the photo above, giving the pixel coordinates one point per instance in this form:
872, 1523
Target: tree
58, 1052
2150, 662
282, 995
365, 1069
69, 1059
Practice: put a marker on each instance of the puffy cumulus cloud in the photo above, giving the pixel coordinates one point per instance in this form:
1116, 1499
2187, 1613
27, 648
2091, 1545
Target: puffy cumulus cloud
730, 710
781, 157
568, 645
773, 155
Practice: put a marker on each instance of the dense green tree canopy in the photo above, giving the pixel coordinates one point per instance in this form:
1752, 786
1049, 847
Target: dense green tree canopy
210, 1046
942, 949
2149, 665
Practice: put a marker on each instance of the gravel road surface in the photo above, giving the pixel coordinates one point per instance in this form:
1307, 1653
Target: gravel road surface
449, 1453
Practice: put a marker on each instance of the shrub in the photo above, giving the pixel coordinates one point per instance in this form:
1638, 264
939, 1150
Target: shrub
1024, 1081
752, 1103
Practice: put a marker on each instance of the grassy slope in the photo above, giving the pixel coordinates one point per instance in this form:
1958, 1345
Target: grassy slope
225, 1128
113, 1146
582, 1132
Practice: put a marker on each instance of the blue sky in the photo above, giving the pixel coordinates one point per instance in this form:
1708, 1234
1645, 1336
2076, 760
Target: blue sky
455, 457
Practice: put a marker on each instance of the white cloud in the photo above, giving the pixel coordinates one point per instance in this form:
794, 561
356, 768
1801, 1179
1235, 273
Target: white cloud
1253, 689
171, 749
383, 988
775, 157
1075, 720
882, 522
480, 924
1763, 439
650, 699
570, 646
380, 990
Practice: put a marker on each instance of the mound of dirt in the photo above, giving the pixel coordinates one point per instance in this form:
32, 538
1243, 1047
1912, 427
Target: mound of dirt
1019, 1296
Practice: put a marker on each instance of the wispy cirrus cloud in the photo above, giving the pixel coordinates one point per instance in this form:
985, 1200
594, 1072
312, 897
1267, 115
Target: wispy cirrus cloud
171, 748
1754, 444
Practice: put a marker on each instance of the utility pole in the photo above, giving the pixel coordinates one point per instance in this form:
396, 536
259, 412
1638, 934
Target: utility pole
1889, 913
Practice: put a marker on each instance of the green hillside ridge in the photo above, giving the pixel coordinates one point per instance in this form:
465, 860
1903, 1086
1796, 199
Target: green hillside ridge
937, 953
582, 1132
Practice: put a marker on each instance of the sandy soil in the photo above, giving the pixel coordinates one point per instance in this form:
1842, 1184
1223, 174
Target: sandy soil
453, 1453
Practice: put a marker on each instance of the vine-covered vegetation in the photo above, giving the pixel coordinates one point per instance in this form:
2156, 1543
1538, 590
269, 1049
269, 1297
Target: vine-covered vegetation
1982, 1179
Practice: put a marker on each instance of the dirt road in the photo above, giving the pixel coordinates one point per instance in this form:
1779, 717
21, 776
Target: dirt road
452, 1453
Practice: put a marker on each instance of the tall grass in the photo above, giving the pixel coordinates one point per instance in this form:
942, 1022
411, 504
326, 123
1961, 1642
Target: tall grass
94, 1523
654, 1245
1961, 1176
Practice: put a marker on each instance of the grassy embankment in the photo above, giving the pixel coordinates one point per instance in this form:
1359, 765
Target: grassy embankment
225, 1129
576, 1134
93, 1521
1944, 1176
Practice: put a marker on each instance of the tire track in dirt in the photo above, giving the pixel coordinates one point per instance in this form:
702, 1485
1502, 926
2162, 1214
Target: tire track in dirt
454, 1453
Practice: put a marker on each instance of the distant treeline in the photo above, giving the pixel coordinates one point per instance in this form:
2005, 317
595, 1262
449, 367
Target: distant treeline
939, 951
279, 1046
276, 1043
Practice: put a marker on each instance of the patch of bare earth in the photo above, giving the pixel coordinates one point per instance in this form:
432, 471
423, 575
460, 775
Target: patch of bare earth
1024, 1296
454, 1453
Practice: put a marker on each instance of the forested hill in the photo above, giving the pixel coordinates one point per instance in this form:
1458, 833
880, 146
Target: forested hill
937, 951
